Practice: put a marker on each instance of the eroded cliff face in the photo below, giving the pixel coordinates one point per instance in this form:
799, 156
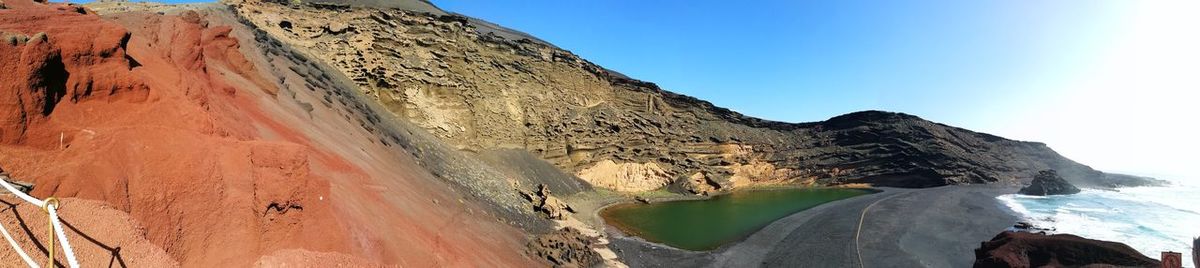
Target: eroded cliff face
483, 92
187, 139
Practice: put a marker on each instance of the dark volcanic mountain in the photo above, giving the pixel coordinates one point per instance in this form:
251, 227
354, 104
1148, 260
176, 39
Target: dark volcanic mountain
897, 149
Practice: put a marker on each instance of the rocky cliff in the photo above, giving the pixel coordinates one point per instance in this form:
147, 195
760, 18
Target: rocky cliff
1047, 182
179, 137
1021, 249
480, 91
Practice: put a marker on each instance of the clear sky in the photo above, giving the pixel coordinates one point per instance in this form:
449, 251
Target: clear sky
1111, 84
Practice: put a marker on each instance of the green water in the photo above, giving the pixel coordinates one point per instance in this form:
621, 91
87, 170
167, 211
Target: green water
706, 224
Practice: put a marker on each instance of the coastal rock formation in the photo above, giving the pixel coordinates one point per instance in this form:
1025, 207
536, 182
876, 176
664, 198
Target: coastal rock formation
1021, 249
480, 91
1047, 182
701, 184
566, 247
626, 177
320, 133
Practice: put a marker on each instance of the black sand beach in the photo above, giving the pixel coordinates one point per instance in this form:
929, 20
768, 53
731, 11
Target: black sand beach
933, 227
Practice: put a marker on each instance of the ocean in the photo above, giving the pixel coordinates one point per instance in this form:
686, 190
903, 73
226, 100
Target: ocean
1149, 219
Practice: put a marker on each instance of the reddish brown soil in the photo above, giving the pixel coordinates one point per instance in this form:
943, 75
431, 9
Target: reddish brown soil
116, 241
173, 123
304, 258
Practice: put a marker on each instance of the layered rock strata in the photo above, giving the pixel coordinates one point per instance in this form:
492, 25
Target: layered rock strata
480, 91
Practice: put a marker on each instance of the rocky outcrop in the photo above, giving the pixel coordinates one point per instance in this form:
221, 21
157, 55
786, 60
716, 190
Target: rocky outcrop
480, 91
1021, 249
72, 65
142, 121
552, 207
202, 133
273, 128
566, 247
625, 177
1047, 182
700, 184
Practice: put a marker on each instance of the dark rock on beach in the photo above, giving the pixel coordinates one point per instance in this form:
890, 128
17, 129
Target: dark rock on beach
1021, 249
1047, 182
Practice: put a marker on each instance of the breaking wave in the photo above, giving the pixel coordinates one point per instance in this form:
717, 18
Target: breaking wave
1149, 219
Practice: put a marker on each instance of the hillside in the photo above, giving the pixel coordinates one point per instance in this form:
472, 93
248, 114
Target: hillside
481, 92
320, 133
206, 149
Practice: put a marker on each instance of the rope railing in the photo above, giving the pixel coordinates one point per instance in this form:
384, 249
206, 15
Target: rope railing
50, 206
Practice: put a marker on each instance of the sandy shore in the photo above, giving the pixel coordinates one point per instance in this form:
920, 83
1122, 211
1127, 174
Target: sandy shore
934, 227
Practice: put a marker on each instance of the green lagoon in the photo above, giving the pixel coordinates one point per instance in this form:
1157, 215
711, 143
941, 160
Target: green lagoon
707, 224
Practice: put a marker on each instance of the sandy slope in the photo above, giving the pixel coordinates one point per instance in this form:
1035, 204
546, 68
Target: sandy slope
101, 235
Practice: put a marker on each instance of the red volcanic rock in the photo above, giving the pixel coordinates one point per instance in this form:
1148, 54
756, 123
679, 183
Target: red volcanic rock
52, 54
167, 121
158, 138
1022, 249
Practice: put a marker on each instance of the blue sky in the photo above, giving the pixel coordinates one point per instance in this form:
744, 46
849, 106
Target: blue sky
811, 60
1099, 81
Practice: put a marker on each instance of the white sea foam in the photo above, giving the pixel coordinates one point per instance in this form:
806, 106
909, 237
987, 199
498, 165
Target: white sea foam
1149, 219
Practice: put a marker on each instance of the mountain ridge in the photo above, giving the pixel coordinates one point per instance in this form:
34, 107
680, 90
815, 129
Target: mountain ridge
480, 91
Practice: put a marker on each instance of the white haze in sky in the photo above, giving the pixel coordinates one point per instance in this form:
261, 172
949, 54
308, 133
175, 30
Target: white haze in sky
1136, 109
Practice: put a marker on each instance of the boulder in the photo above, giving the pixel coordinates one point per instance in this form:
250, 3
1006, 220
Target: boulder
543, 202
642, 199
701, 184
566, 247
1047, 182
555, 208
1023, 225
1022, 249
